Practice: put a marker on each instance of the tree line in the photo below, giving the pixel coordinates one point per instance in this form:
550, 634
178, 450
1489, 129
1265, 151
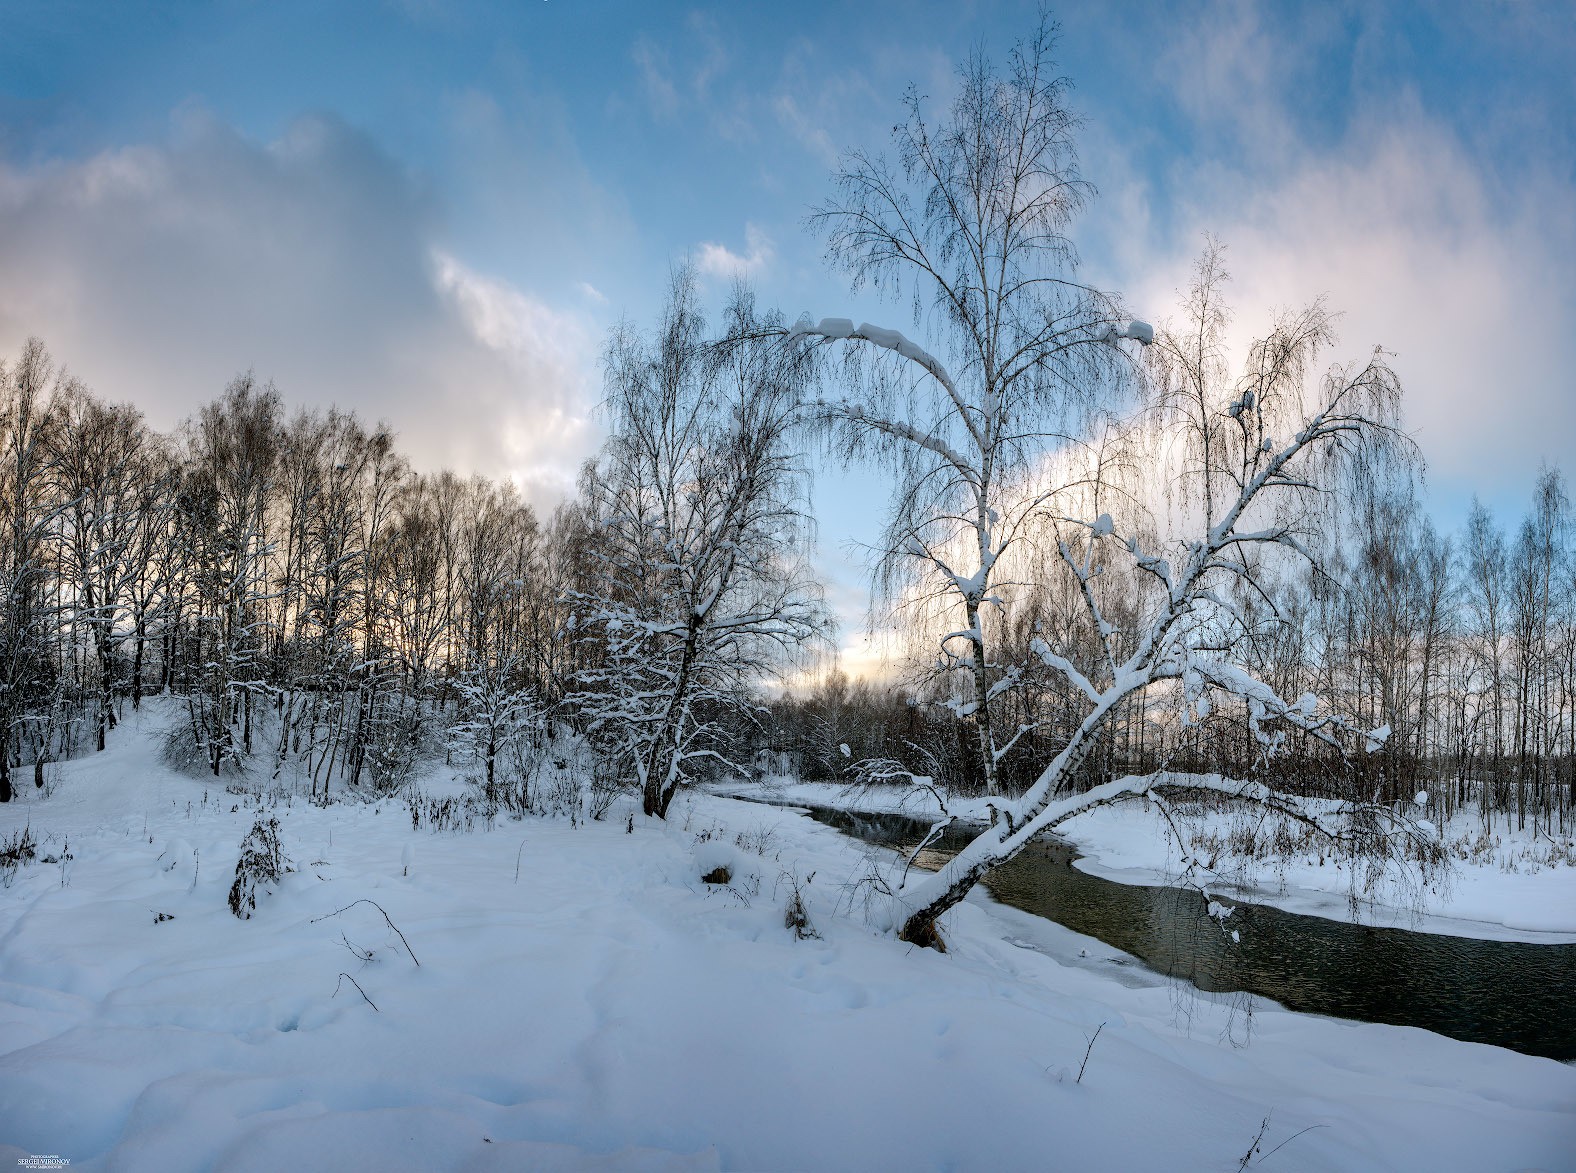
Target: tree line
315, 603
321, 607
1111, 553
1462, 645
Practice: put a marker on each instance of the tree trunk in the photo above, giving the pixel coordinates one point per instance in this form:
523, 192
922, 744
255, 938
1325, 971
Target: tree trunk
920, 926
657, 794
981, 716
136, 671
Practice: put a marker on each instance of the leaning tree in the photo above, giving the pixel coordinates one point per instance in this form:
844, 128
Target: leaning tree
1276, 448
999, 455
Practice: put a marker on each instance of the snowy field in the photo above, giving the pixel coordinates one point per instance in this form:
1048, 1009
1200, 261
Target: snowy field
1499, 887
584, 1001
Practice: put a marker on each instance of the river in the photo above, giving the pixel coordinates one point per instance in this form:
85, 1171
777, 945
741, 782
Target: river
1508, 993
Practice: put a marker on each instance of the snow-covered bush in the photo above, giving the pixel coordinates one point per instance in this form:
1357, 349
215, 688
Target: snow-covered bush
500, 730
15, 851
716, 860
394, 752
796, 917
262, 863
573, 781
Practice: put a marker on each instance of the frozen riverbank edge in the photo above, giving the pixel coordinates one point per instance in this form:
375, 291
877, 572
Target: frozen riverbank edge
585, 1001
1506, 897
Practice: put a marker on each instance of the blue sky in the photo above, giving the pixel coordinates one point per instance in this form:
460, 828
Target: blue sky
432, 212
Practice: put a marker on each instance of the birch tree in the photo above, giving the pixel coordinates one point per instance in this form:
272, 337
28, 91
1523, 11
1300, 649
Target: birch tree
970, 225
29, 506
1261, 456
107, 461
232, 446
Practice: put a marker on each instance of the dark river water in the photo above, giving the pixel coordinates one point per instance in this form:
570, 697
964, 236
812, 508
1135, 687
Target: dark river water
1508, 993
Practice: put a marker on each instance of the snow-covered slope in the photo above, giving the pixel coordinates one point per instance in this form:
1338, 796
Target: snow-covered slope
609, 1010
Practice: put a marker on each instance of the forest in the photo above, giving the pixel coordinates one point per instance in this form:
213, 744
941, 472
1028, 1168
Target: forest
336, 617
1115, 543
1119, 560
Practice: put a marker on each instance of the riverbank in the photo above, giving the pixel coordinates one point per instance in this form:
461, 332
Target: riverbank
1504, 886
1504, 890
585, 1000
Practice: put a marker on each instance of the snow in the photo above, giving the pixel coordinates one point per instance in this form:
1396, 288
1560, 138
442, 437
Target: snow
894, 340
1483, 899
1502, 893
609, 1010
1138, 331
1141, 332
890, 339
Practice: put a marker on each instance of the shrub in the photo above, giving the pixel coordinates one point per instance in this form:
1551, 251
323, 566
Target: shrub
262, 863
19, 849
796, 917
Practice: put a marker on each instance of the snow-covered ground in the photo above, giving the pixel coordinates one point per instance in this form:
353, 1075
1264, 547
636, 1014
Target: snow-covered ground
584, 1001
1505, 893
1500, 887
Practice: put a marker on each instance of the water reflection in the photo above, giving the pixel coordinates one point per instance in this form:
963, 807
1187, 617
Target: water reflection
1508, 993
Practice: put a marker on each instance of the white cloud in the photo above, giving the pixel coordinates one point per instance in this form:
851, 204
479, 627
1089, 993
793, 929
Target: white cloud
703, 59
547, 352
1428, 249
1401, 235
520, 193
717, 260
656, 80
810, 134
688, 78
158, 272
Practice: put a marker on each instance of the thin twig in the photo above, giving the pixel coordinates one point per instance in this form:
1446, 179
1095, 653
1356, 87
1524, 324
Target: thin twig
1288, 1140
362, 955
345, 977
933, 835
379, 907
1247, 1157
1087, 1052
517, 858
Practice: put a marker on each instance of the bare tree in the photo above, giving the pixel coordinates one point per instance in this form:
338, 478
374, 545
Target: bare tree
970, 225
500, 720
1270, 445
697, 502
154, 557
29, 505
1534, 596
1486, 566
108, 462
232, 447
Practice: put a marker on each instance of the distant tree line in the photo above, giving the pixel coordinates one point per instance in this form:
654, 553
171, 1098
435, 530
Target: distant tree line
331, 617
323, 609
1462, 647
315, 603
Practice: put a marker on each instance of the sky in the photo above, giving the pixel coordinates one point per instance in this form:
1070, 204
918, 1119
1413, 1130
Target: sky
433, 212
